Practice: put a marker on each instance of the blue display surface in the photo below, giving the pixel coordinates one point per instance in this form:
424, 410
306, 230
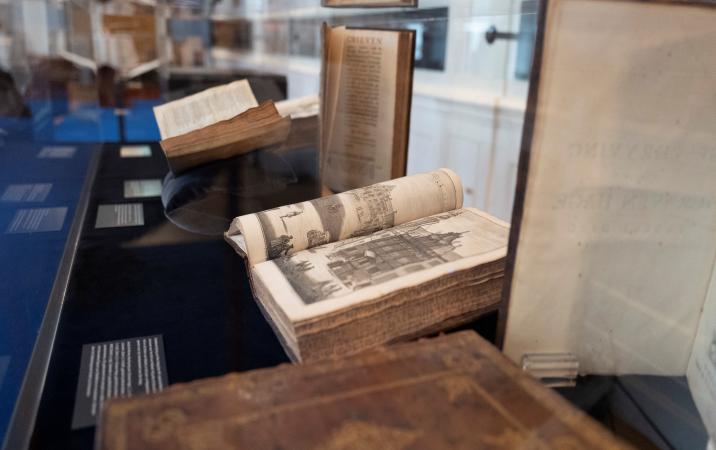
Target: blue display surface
29, 259
53, 121
139, 122
88, 125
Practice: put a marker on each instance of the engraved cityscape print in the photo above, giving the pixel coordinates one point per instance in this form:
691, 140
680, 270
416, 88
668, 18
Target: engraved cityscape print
375, 259
373, 206
332, 213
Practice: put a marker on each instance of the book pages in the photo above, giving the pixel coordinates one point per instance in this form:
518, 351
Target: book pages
361, 72
616, 243
204, 108
298, 108
288, 229
340, 274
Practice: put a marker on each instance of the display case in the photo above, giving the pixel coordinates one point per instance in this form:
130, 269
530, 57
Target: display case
193, 189
611, 240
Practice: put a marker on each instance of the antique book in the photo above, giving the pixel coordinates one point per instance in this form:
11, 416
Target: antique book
390, 261
612, 252
204, 108
366, 89
217, 123
452, 391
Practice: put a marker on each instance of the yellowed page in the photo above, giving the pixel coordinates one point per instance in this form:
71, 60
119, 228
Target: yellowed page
361, 109
204, 108
617, 240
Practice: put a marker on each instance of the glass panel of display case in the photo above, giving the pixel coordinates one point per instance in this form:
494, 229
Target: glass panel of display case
613, 247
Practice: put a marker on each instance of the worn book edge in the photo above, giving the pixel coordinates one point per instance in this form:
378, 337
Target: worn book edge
294, 336
235, 239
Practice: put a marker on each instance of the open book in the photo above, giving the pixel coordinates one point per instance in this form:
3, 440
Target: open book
219, 123
614, 243
391, 261
366, 89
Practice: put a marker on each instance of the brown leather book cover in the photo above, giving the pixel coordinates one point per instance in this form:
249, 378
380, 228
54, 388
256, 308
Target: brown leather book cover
453, 391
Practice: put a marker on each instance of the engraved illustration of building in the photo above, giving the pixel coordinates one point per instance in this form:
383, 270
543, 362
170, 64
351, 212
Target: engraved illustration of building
370, 260
391, 255
374, 207
298, 275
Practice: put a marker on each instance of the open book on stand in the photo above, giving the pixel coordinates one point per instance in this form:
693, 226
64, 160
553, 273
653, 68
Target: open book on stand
390, 261
226, 121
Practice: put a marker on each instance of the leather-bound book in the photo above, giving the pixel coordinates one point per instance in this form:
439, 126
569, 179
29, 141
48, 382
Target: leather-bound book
218, 123
366, 92
389, 262
254, 128
454, 391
